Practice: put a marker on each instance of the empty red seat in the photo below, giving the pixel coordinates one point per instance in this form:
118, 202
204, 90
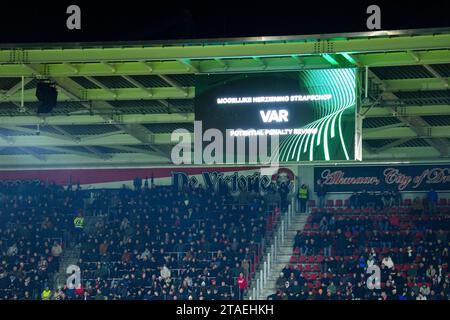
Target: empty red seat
330, 203
319, 259
316, 267
310, 259
302, 259
338, 203
307, 268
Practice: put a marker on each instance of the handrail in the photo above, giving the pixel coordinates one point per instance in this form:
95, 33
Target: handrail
271, 254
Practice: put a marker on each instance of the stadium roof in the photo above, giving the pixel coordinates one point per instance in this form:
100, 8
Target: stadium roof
119, 102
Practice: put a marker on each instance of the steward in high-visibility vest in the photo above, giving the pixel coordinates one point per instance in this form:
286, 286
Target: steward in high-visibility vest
46, 294
303, 192
303, 195
78, 222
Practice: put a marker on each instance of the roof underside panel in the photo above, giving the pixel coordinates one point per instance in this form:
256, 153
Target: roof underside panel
118, 83
404, 72
425, 97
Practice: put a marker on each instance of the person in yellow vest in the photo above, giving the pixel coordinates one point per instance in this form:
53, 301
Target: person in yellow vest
46, 294
78, 223
303, 195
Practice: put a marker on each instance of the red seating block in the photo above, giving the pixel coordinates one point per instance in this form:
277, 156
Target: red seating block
319, 259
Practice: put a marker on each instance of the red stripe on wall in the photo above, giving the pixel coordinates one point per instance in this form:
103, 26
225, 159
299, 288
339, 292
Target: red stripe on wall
92, 176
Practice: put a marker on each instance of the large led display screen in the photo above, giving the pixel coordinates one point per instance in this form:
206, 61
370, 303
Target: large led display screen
312, 112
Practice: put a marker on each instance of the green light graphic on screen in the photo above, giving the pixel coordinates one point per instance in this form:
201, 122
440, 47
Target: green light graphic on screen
314, 110
335, 119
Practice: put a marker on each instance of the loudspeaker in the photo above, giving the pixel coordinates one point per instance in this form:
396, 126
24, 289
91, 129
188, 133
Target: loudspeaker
47, 95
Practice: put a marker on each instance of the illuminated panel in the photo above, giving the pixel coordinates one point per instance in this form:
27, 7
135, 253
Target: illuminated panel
312, 112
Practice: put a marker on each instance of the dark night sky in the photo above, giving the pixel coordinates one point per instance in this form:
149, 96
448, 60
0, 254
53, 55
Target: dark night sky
45, 21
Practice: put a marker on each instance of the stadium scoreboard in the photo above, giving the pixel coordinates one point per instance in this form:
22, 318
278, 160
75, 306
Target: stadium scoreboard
313, 113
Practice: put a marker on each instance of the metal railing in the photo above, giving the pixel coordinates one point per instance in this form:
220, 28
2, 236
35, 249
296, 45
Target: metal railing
271, 254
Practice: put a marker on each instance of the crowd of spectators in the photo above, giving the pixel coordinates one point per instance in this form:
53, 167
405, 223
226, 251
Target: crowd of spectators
150, 242
32, 221
334, 256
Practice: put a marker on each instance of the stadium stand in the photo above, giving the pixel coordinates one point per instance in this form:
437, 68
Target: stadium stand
148, 243
331, 255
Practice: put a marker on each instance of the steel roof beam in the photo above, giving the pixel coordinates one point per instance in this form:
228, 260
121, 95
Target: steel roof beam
117, 139
391, 145
137, 84
120, 94
101, 85
176, 85
79, 160
189, 65
88, 148
229, 50
76, 152
16, 88
408, 132
416, 124
217, 65
34, 132
408, 111
95, 119
134, 150
137, 131
179, 92
36, 155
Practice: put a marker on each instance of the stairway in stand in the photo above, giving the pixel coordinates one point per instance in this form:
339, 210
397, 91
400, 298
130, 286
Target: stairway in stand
71, 253
69, 257
284, 254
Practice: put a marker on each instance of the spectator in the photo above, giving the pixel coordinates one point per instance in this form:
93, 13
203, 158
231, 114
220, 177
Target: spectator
242, 284
56, 250
321, 193
387, 262
78, 223
303, 196
165, 273
432, 200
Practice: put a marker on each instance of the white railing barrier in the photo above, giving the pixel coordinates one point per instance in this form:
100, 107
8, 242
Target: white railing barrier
265, 273
276, 247
258, 285
261, 283
272, 256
